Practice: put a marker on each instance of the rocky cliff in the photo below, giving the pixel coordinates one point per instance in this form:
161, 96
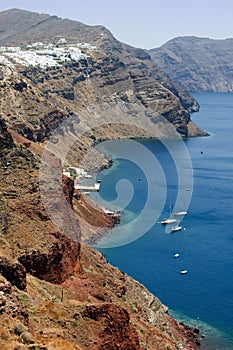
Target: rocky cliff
197, 64
112, 79
56, 293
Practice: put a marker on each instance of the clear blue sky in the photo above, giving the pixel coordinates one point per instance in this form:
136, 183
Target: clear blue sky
145, 23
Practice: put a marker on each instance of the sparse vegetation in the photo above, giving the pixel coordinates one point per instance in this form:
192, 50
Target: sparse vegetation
24, 298
19, 328
72, 297
27, 338
4, 218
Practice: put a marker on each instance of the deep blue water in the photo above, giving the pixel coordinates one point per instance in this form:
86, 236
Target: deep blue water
204, 296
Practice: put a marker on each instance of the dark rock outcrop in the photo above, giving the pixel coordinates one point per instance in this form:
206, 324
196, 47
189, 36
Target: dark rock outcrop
68, 188
197, 64
14, 272
6, 141
57, 264
20, 85
118, 333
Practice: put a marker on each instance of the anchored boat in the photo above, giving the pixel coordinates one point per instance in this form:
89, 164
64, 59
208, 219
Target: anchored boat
176, 228
180, 213
168, 221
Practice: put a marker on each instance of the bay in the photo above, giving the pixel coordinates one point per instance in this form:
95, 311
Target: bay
204, 296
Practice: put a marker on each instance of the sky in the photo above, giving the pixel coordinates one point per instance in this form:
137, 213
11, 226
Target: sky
146, 23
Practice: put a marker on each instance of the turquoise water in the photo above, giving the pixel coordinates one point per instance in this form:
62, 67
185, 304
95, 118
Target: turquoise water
204, 296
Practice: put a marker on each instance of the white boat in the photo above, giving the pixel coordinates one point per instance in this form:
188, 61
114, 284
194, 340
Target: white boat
88, 176
168, 221
180, 213
176, 228
183, 272
176, 255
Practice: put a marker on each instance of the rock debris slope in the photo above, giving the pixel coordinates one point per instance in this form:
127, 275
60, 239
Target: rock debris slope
56, 293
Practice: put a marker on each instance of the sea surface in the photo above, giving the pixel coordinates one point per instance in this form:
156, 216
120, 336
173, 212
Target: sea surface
204, 296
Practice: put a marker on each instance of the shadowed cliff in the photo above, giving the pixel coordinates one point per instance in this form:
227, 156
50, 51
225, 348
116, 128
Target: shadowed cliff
114, 72
56, 292
197, 64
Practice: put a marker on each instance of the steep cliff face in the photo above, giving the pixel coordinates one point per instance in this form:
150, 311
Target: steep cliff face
14, 272
114, 79
197, 64
117, 328
140, 65
55, 294
57, 264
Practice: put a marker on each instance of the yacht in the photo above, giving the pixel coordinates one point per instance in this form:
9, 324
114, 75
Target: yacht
183, 272
180, 213
176, 228
168, 221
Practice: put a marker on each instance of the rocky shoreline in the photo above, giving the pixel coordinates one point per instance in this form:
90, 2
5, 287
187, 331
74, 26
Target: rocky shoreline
70, 296
105, 162
191, 333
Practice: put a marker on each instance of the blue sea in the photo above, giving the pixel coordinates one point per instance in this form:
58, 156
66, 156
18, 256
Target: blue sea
200, 174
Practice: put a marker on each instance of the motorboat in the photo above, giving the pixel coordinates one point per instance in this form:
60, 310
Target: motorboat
180, 213
168, 221
183, 272
176, 228
176, 255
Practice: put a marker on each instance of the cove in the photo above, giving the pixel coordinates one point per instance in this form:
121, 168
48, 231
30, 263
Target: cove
203, 297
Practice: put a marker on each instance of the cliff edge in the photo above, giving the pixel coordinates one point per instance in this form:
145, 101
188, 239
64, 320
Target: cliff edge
61, 68
197, 64
56, 293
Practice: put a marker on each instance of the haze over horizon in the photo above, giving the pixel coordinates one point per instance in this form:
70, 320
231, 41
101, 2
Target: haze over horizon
146, 24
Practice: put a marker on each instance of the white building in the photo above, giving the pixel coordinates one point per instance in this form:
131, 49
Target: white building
45, 55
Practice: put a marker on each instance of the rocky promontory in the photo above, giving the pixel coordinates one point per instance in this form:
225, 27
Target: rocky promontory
56, 77
107, 78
